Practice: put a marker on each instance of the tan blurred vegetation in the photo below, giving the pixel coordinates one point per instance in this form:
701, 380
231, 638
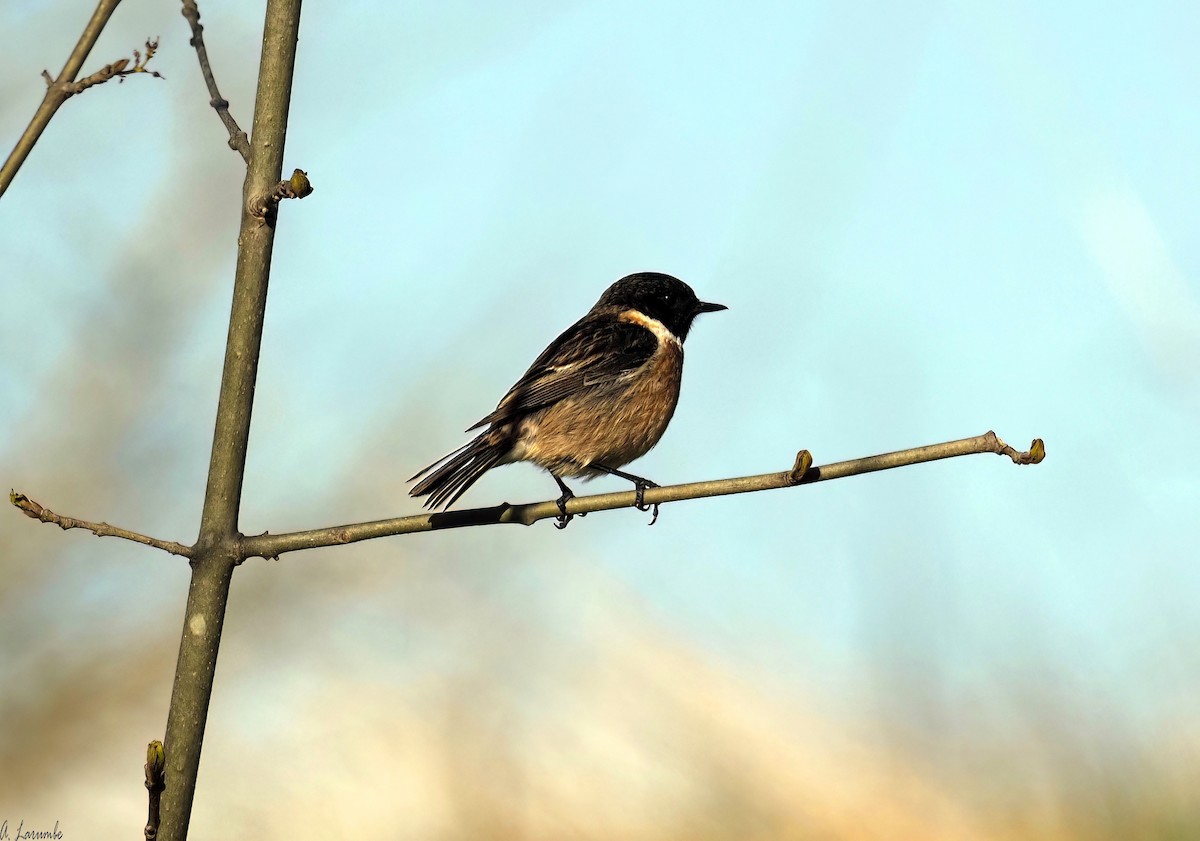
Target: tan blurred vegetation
397, 690
387, 690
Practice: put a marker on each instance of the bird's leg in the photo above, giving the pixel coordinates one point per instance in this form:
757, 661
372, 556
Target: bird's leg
567, 494
639, 485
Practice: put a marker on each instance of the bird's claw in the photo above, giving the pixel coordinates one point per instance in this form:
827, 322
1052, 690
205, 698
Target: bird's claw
564, 518
640, 498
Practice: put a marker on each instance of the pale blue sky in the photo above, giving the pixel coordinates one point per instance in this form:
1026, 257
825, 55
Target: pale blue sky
927, 221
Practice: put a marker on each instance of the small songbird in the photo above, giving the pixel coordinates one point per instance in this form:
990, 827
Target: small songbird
600, 396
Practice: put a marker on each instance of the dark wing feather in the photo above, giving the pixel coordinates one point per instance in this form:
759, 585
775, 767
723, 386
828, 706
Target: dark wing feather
593, 352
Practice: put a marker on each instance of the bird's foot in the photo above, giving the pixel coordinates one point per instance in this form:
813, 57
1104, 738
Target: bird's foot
639, 485
640, 498
564, 518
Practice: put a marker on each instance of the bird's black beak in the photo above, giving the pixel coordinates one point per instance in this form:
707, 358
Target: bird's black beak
706, 307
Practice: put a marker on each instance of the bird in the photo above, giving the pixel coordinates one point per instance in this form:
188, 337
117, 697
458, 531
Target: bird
598, 397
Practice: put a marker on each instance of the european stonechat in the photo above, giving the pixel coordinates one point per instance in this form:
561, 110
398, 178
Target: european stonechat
600, 396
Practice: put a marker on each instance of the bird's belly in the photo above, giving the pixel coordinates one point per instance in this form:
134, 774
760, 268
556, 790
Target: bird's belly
611, 426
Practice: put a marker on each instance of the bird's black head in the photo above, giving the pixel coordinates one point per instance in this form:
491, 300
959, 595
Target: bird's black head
661, 297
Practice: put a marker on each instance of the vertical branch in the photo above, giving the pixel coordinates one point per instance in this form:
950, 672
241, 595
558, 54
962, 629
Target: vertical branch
255, 243
217, 551
56, 92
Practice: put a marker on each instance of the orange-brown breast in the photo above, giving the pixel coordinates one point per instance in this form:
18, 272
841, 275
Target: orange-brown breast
611, 426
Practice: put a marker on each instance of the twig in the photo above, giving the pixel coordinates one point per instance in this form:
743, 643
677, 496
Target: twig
37, 512
55, 93
237, 138
156, 766
118, 69
802, 473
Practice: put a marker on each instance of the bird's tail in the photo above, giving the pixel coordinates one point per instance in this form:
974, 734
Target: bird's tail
451, 475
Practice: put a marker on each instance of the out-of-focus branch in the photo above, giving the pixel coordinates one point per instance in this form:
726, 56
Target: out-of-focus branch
238, 141
119, 69
58, 91
37, 512
802, 473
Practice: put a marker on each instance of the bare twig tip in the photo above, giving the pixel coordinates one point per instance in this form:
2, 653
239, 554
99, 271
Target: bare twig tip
25, 505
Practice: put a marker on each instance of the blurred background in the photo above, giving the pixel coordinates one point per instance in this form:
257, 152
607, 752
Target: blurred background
928, 220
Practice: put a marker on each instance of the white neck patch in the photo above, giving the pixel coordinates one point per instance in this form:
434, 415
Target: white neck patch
653, 325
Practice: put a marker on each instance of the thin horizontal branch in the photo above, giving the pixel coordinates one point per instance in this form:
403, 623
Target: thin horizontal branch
238, 141
802, 473
37, 512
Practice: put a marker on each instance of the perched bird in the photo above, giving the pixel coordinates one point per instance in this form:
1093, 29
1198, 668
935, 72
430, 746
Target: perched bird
600, 396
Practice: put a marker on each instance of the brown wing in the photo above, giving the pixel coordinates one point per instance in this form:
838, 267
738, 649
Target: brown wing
593, 352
